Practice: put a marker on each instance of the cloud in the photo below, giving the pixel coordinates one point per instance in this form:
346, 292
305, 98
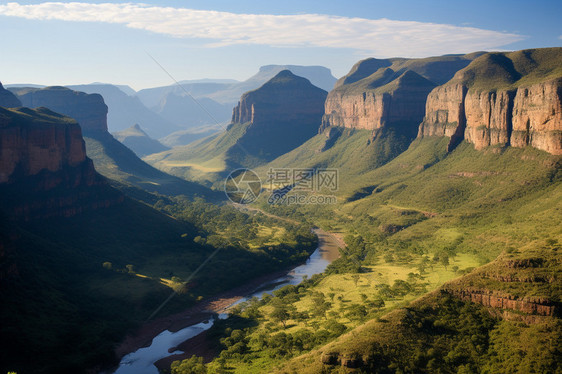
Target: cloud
379, 37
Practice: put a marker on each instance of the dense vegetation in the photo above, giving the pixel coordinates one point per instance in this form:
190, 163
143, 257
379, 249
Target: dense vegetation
93, 277
412, 226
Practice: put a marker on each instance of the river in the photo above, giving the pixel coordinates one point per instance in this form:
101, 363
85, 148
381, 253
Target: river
142, 360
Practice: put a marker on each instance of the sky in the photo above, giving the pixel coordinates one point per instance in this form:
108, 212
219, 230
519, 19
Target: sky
148, 44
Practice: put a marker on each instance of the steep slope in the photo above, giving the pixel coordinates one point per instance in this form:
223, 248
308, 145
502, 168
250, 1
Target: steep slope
43, 157
425, 212
8, 99
138, 141
111, 158
81, 265
89, 110
125, 110
501, 99
387, 97
268, 122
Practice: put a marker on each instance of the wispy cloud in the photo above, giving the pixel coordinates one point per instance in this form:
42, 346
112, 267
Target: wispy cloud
379, 37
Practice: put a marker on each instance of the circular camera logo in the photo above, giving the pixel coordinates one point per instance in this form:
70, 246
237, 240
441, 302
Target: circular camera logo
242, 186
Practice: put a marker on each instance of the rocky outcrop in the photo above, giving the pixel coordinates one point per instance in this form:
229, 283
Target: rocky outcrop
513, 112
88, 109
8, 99
400, 101
501, 300
537, 116
44, 171
276, 118
285, 97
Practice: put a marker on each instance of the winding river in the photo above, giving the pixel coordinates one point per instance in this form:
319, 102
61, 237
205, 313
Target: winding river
142, 360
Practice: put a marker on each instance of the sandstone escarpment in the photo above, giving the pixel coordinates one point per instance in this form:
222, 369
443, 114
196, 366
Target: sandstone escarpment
276, 118
88, 109
388, 97
537, 116
500, 300
399, 100
44, 171
285, 97
523, 109
8, 99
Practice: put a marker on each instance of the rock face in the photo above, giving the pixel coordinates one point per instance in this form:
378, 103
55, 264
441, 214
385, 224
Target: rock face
401, 101
528, 305
537, 116
285, 97
379, 93
279, 116
88, 109
44, 171
8, 99
523, 107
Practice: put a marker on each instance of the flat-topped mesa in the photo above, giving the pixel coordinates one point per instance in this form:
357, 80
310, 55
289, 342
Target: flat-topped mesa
8, 99
286, 97
503, 99
389, 92
88, 109
44, 171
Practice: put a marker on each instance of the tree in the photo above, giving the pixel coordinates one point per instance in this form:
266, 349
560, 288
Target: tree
355, 278
280, 313
444, 259
193, 365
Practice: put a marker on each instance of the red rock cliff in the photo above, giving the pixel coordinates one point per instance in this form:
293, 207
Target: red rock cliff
492, 103
44, 171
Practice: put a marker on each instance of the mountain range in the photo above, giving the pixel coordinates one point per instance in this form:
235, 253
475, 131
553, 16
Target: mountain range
448, 197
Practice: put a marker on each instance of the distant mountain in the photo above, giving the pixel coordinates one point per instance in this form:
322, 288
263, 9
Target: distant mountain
152, 97
317, 75
111, 158
268, 122
125, 111
8, 99
184, 137
186, 112
138, 141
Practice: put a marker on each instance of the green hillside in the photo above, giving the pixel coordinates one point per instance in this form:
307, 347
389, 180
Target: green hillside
115, 161
482, 222
511, 69
279, 116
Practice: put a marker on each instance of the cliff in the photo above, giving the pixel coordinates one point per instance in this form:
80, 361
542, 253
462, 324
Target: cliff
379, 93
44, 171
285, 97
279, 116
503, 99
8, 99
88, 109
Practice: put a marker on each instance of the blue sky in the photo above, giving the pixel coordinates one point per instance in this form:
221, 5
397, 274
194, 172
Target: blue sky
87, 41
